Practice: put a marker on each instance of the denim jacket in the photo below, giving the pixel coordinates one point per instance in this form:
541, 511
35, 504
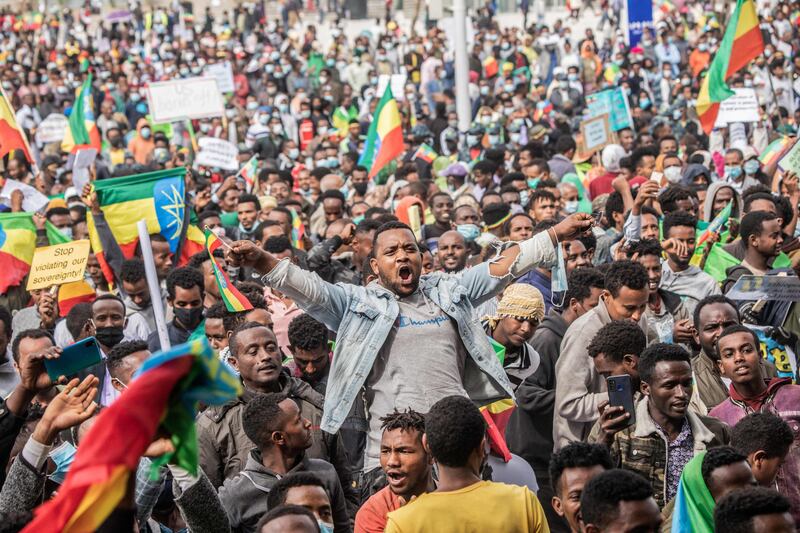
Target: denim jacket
364, 316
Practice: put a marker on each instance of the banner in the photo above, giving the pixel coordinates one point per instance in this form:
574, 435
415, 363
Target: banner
176, 100
52, 129
217, 153
223, 73
613, 102
640, 16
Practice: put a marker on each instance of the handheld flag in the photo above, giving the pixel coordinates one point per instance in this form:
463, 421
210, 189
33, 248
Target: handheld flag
496, 415
741, 43
426, 153
11, 135
82, 131
776, 149
716, 225
694, 505
250, 173
385, 136
234, 300
298, 231
165, 392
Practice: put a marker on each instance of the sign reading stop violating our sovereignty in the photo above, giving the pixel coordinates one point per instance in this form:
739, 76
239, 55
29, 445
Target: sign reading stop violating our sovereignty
59, 264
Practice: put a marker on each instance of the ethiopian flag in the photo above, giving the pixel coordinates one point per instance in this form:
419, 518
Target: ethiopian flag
426, 153
17, 244
385, 135
82, 131
694, 505
249, 173
164, 393
11, 135
741, 43
158, 197
234, 300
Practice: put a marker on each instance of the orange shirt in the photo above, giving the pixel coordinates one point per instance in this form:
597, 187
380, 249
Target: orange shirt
698, 61
371, 518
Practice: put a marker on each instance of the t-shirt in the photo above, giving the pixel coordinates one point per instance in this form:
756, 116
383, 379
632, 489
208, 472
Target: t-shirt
421, 362
484, 506
371, 518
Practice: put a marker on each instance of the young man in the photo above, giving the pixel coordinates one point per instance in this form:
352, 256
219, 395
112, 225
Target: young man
374, 352
441, 208
617, 500
570, 469
185, 293
615, 351
579, 388
274, 423
137, 294
754, 510
247, 211
761, 233
452, 252
686, 280
405, 462
665, 434
666, 314
201, 262
222, 443
124, 360
455, 435
529, 432
292, 518
307, 490
739, 355
765, 439
542, 205
215, 327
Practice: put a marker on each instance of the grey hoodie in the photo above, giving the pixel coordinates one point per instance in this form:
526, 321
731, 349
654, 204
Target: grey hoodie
712, 192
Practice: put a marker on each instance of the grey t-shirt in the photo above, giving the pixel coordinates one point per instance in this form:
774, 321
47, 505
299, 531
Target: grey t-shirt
421, 362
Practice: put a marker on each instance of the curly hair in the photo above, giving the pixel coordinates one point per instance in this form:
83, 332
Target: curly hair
277, 494
655, 353
617, 339
185, 278
646, 247
718, 457
262, 416
673, 194
677, 219
580, 283
307, 333
121, 351
603, 493
577, 455
132, 270
625, 274
405, 420
762, 431
735, 512
454, 428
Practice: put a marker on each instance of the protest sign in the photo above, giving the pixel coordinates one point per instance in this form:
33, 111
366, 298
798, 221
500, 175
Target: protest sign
59, 264
775, 288
790, 162
119, 15
223, 73
84, 158
777, 353
173, 101
611, 102
398, 83
737, 135
596, 132
217, 153
741, 107
52, 129
639, 16
32, 200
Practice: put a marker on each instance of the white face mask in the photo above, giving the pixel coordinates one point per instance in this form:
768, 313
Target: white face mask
571, 206
673, 174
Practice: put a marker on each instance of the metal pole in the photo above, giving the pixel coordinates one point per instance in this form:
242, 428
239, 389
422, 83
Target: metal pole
152, 284
463, 105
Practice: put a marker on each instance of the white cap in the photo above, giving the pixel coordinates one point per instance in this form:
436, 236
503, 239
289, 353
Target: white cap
611, 156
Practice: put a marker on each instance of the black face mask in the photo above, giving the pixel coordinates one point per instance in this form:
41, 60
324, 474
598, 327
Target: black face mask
189, 317
117, 142
109, 336
360, 188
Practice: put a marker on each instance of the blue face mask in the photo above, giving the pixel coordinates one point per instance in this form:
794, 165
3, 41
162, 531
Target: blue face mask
533, 182
470, 232
733, 173
751, 166
644, 103
558, 279
62, 457
324, 527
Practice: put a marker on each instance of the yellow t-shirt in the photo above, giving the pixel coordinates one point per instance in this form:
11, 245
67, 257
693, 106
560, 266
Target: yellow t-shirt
479, 508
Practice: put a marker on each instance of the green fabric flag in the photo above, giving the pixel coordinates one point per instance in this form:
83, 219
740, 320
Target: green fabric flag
694, 505
229, 219
316, 62
54, 235
718, 262
77, 117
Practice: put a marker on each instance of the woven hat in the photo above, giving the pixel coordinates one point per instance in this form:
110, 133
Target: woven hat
519, 300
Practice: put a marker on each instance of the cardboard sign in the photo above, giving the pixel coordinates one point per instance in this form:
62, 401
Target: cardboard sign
790, 162
596, 132
611, 102
52, 129
223, 73
59, 264
776, 288
217, 153
176, 100
741, 107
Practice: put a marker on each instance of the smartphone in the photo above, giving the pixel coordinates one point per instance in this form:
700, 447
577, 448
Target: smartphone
656, 176
620, 393
82, 354
596, 216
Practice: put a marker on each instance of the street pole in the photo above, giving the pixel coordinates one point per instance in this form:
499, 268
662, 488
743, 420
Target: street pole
463, 105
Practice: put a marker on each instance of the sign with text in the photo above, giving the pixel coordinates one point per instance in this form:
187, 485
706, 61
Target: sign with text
639, 17
217, 153
776, 288
741, 107
172, 101
223, 73
596, 132
52, 129
59, 264
32, 199
790, 162
611, 102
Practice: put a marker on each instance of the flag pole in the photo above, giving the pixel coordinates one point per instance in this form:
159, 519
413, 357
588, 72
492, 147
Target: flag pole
152, 284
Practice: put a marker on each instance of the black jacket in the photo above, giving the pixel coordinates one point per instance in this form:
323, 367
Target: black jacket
529, 432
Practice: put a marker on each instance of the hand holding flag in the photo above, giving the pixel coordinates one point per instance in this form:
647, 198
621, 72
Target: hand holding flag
716, 224
233, 298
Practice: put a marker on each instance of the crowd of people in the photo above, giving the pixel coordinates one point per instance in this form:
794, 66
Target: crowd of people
431, 343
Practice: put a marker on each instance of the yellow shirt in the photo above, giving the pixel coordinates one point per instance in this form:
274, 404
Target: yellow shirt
479, 508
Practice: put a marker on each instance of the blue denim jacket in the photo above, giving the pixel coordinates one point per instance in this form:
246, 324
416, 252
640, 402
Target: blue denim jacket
363, 317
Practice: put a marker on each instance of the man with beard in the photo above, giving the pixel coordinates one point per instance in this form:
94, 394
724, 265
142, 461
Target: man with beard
404, 322
453, 252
